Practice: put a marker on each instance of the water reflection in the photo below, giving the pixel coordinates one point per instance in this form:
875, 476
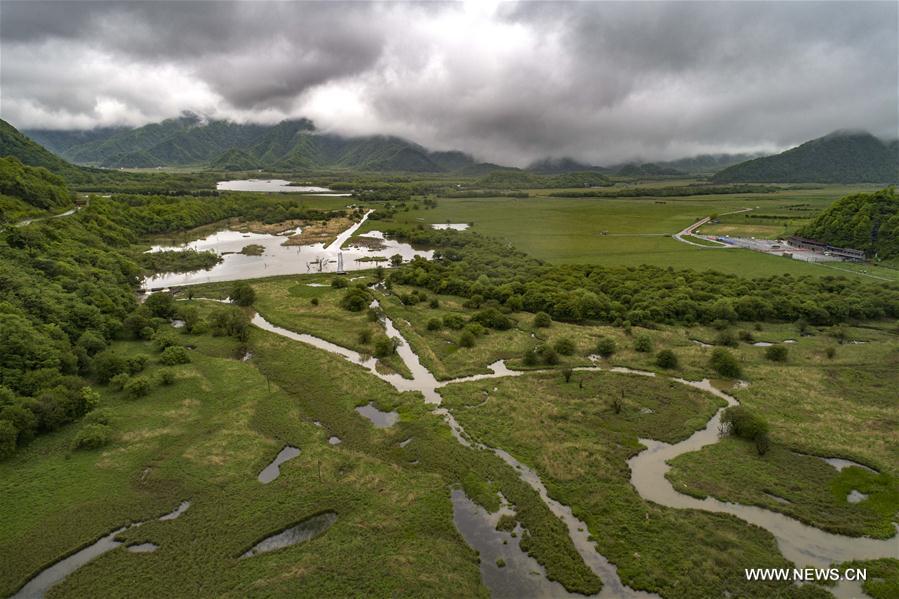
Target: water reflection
304, 531
272, 186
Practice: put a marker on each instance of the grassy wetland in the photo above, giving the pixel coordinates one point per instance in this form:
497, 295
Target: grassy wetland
530, 338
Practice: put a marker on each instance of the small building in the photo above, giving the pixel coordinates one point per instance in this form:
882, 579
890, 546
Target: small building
827, 249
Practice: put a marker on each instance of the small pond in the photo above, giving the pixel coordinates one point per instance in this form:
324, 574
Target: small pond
453, 226
304, 531
273, 470
272, 186
377, 417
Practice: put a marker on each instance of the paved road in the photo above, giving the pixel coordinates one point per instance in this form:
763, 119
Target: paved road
689, 231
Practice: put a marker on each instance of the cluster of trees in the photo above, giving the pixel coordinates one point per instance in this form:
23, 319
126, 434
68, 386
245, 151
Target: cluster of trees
513, 179
675, 191
67, 290
35, 186
863, 221
743, 423
491, 273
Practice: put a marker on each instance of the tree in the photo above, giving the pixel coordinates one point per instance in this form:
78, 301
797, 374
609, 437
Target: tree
160, 304
435, 324
724, 363
242, 294
666, 359
174, 355
137, 387
605, 347
542, 320
23, 420
396, 260
8, 434
467, 339
355, 299
564, 346
339, 283
92, 436
643, 343
776, 353
384, 346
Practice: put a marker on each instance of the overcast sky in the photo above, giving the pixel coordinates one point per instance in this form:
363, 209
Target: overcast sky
600, 82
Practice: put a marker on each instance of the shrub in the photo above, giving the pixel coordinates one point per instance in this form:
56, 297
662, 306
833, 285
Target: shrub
107, 365
548, 355
242, 294
339, 283
164, 339
666, 359
372, 315
542, 320
453, 321
435, 324
8, 436
566, 374
98, 417
384, 346
355, 299
434, 303
746, 336
564, 346
364, 336
493, 319
136, 364
831, 352
741, 422
776, 353
118, 381
137, 387
467, 339
174, 355
167, 377
643, 343
531, 357
314, 301
726, 338
475, 329
605, 347
92, 436
724, 363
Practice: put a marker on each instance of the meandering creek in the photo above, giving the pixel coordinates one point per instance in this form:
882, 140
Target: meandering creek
804, 545
39, 585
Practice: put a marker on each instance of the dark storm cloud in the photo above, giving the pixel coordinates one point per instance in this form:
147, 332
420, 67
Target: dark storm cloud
597, 81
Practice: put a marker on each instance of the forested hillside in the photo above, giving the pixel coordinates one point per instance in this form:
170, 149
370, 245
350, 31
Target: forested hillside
864, 221
514, 179
841, 157
25, 190
289, 145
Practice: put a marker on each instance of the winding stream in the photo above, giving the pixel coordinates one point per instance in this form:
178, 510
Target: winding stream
802, 544
39, 585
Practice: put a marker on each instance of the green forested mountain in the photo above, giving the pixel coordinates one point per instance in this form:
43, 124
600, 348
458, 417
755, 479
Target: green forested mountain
841, 157
25, 188
14, 143
864, 221
289, 145
648, 169
553, 166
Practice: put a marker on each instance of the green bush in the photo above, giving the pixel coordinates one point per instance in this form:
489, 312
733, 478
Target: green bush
384, 346
8, 436
745, 424
453, 321
364, 336
726, 338
493, 319
136, 364
435, 324
776, 353
542, 320
339, 283
564, 346
724, 363
467, 339
242, 294
434, 303
164, 339
605, 347
547, 355
92, 436
98, 417
666, 359
137, 387
643, 343
119, 381
167, 377
355, 299
174, 355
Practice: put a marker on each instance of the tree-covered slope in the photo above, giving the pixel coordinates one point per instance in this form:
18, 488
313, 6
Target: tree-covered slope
14, 143
515, 179
288, 145
841, 157
26, 188
864, 221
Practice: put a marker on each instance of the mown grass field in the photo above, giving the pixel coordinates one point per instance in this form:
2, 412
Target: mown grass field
628, 231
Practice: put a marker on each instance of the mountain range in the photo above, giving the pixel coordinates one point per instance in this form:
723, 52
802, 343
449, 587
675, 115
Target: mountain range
840, 157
